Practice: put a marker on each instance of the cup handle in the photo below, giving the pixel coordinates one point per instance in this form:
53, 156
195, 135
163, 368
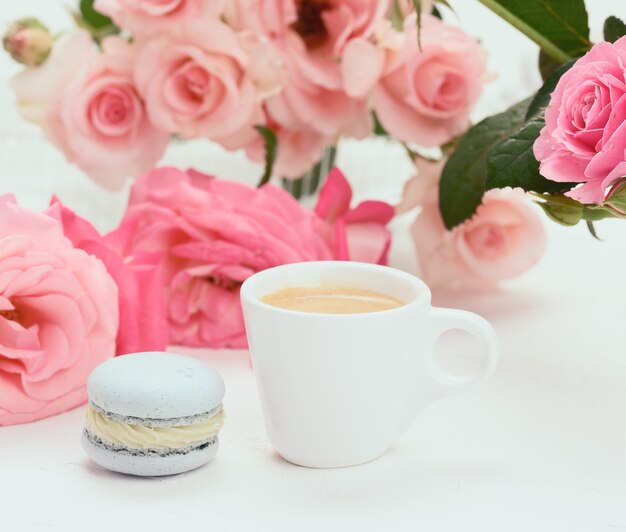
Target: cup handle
442, 320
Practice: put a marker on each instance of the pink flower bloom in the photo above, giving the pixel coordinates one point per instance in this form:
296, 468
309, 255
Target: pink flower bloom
584, 139
152, 17
325, 26
88, 106
272, 17
426, 96
315, 37
213, 234
504, 239
197, 82
314, 96
58, 316
143, 323
359, 234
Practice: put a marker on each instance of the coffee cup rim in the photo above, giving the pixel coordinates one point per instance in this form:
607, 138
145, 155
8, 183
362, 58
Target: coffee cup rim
251, 283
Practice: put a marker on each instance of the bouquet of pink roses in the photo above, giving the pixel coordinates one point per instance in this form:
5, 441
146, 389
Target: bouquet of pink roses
285, 81
299, 74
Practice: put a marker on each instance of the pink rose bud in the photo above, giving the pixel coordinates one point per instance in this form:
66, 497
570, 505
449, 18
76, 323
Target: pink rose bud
28, 41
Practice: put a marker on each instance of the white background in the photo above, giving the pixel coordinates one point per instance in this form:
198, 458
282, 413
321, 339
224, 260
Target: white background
542, 447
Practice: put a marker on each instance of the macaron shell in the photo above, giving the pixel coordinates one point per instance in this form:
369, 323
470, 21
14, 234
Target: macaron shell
148, 466
155, 385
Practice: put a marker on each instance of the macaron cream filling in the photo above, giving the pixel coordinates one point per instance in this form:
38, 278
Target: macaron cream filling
137, 436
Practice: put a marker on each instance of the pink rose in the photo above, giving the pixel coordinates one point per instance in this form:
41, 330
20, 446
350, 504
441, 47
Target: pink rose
58, 316
197, 82
143, 322
325, 26
501, 241
426, 96
273, 17
314, 96
152, 17
89, 107
358, 234
315, 38
584, 139
213, 235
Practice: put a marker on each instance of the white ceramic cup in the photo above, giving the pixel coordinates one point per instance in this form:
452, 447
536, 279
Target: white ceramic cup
340, 389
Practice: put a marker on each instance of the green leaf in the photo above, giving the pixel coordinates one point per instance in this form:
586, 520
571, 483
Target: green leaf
559, 27
614, 28
436, 13
271, 150
511, 163
465, 174
542, 98
94, 18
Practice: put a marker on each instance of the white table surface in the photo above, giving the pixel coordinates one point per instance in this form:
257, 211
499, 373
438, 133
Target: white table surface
541, 447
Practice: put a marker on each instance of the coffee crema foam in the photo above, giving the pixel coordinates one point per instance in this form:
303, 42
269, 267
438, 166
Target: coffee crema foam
331, 299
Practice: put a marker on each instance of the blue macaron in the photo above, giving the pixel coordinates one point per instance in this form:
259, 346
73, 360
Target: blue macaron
153, 414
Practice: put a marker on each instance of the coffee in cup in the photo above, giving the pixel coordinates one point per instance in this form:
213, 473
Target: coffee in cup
331, 299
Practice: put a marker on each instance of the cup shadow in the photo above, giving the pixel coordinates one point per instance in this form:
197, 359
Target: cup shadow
399, 475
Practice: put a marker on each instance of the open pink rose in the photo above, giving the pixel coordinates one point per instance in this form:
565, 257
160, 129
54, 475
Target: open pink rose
152, 17
88, 106
315, 36
213, 234
58, 316
501, 241
358, 234
584, 139
426, 96
196, 83
143, 322
325, 26
314, 96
